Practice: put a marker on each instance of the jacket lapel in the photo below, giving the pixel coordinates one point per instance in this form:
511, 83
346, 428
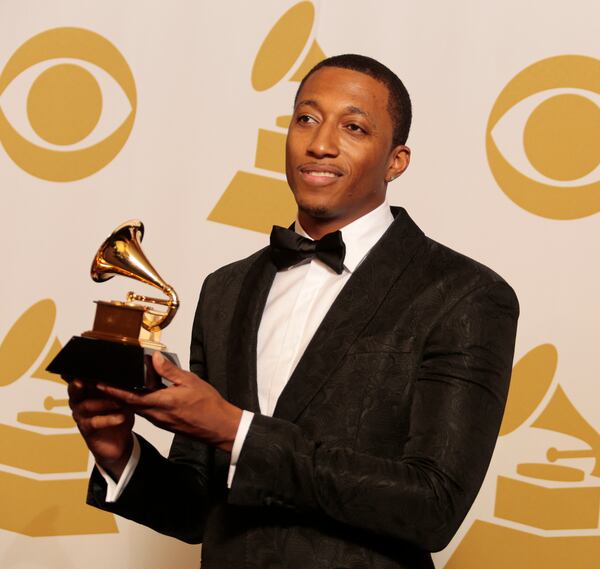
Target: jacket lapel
241, 350
350, 313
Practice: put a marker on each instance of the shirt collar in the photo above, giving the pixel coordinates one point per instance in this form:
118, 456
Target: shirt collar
360, 235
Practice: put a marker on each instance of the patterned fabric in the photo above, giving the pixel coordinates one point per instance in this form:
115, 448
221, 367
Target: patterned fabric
382, 436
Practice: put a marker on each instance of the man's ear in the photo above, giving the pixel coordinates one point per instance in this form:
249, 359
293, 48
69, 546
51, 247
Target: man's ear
399, 161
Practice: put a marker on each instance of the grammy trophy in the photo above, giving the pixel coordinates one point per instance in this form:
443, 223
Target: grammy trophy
118, 349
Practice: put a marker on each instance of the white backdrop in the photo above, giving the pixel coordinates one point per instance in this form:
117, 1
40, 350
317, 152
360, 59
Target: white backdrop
194, 118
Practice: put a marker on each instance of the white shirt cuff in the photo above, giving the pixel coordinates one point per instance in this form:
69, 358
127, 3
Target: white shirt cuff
115, 489
238, 443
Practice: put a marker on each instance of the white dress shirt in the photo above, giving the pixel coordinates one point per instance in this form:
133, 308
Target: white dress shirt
297, 303
299, 299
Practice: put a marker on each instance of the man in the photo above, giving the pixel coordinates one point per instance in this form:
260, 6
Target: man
349, 403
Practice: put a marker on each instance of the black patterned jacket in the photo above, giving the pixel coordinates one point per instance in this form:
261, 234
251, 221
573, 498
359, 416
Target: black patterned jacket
380, 440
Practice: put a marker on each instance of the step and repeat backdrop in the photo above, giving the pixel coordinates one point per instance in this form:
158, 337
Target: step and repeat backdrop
175, 113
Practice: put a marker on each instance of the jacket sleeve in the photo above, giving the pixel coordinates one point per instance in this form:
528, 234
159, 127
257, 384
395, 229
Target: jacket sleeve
172, 496
423, 494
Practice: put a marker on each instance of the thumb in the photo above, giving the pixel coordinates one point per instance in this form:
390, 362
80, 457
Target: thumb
166, 368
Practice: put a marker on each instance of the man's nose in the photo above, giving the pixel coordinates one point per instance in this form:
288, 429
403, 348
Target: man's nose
324, 141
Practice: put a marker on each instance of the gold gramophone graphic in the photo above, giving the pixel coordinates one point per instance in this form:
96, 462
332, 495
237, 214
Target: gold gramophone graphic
556, 505
43, 459
119, 347
256, 200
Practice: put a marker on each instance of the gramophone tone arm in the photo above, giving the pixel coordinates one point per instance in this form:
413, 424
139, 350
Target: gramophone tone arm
554, 454
131, 296
172, 304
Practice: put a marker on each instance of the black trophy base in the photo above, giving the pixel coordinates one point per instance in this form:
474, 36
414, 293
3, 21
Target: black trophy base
123, 365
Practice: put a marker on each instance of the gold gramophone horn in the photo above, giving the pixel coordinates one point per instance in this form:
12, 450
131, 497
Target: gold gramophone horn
281, 50
121, 254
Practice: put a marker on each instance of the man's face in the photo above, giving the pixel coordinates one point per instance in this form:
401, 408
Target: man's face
339, 153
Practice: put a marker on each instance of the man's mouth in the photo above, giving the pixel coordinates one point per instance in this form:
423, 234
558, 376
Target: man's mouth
319, 173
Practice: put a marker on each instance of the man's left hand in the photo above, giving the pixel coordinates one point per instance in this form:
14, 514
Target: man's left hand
190, 406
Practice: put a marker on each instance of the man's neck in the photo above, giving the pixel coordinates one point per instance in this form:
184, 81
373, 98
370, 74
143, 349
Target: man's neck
317, 227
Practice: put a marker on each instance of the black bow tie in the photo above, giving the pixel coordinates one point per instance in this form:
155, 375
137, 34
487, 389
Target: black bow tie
288, 249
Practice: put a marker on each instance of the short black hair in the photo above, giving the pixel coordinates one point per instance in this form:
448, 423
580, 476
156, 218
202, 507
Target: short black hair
399, 106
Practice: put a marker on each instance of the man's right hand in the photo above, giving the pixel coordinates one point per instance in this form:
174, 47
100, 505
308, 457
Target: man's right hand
105, 425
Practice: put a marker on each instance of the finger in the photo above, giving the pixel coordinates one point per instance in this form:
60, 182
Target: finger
80, 390
99, 422
121, 395
133, 400
167, 369
90, 407
76, 391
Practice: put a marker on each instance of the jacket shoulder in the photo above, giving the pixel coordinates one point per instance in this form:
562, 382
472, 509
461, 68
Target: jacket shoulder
434, 263
453, 262
225, 275
459, 275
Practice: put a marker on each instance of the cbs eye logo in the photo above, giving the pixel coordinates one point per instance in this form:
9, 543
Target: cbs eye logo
71, 100
553, 171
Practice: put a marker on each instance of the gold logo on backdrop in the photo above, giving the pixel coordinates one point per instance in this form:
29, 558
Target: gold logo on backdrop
43, 459
561, 138
554, 505
256, 200
64, 104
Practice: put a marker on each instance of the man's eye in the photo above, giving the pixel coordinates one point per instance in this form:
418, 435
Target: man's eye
305, 119
355, 128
